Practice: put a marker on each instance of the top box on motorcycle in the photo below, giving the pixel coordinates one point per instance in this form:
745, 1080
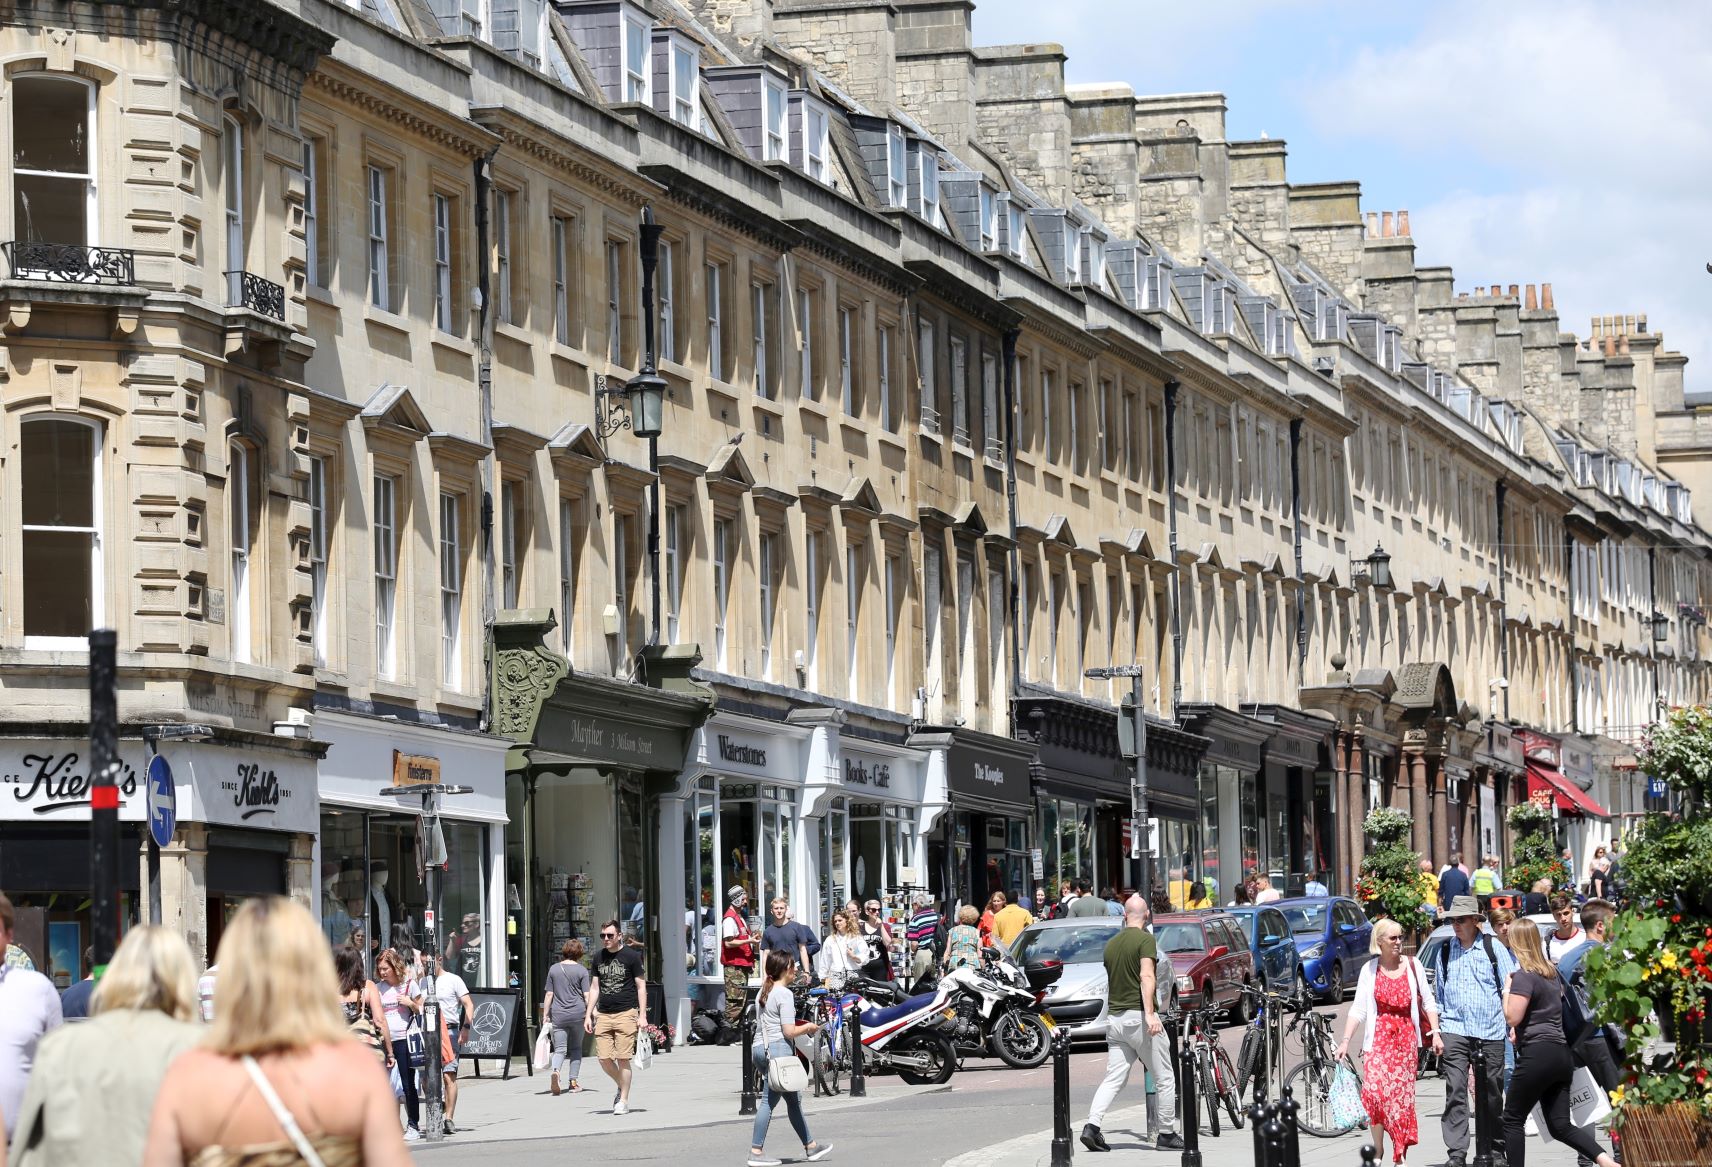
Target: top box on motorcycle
1043, 973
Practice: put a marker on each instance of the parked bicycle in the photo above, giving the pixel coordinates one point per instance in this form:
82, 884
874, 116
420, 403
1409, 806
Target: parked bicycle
1214, 1075
1263, 1042
831, 1056
1310, 1080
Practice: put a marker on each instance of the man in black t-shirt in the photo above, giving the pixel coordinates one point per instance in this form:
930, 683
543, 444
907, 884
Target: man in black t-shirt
620, 1003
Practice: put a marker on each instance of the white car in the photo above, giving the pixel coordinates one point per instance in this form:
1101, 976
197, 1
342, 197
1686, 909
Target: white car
1077, 1001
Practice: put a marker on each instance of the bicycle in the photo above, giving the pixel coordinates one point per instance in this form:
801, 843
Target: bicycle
1215, 1075
1261, 1041
831, 1054
1310, 1079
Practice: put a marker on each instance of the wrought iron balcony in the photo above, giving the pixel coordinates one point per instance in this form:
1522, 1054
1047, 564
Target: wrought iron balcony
69, 263
244, 290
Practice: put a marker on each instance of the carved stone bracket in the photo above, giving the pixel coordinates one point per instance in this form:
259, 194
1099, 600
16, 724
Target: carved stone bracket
525, 671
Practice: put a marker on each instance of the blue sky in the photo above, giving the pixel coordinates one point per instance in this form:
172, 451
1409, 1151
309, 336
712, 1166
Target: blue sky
1532, 141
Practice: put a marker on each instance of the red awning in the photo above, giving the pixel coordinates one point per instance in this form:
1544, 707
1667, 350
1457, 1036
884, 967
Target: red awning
1568, 796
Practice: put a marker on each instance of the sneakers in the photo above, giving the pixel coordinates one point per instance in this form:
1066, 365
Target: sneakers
1093, 1139
821, 1151
448, 1127
554, 1084
763, 1161
412, 1135
1168, 1141
621, 1107
576, 1087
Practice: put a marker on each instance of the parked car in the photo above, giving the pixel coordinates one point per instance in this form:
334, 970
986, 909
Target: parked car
1331, 935
1213, 963
1268, 933
1077, 1001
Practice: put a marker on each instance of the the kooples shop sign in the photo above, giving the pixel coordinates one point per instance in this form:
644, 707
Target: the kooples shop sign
988, 774
49, 781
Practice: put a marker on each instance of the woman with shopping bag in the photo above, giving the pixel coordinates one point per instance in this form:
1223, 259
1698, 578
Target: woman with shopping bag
1393, 999
776, 1063
1545, 1073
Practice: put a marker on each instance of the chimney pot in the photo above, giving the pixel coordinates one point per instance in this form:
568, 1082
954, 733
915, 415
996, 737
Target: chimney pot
1533, 300
1403, 223
1386, 225
1546, 297
1514, 290
1641, 323
1623, 344
1373, 224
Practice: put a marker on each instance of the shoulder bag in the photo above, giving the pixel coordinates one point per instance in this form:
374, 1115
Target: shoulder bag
786, 1074
366, 1031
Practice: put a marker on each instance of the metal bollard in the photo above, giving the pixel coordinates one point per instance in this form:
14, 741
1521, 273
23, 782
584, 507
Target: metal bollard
1482, 1127
746, 1103
1191, 1107
1274, 1131
1061, 1150
1287, 1108
1369, 1155
858, 1085
1256, 1120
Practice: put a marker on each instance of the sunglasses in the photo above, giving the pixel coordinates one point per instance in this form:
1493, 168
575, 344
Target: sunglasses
609, 936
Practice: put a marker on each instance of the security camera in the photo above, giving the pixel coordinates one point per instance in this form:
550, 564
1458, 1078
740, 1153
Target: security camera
1499, 683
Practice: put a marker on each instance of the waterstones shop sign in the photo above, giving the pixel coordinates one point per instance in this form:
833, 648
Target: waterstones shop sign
49, 781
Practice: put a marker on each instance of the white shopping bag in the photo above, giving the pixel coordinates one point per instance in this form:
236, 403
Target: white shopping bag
543, 1049
1588, 1105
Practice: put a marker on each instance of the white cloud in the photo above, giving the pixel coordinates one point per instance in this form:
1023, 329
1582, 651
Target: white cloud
1589, 129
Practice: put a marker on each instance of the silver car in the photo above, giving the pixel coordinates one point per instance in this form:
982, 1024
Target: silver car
1077, 1001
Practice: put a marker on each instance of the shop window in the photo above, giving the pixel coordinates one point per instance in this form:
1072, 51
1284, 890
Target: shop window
60, 483
53, 160
882, 846
736, 833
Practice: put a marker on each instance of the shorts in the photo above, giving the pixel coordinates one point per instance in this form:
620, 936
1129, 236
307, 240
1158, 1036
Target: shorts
615, 1035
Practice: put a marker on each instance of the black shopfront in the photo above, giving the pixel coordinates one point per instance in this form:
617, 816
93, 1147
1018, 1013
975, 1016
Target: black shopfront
984, 840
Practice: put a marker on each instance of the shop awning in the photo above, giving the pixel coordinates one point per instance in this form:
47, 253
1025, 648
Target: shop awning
1568, 796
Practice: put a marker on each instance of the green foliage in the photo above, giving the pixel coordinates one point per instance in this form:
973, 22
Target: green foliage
1679, 750
1390, 883
1535, 855
1667, 858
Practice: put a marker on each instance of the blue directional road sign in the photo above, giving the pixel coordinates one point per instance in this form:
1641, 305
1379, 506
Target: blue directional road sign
163, 801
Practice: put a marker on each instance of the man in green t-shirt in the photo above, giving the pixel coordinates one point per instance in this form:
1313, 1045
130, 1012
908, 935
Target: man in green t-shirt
1133, 1029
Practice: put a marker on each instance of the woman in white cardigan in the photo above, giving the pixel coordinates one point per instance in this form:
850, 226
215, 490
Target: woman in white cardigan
1397, 1004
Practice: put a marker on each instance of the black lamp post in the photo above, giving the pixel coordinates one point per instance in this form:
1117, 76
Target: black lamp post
1661, 626
1378, 567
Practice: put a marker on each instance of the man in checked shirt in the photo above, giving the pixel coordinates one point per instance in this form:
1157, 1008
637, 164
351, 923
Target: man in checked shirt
1472, 970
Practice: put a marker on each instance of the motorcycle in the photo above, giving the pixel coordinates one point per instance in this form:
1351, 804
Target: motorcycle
996, 1008
905, 1035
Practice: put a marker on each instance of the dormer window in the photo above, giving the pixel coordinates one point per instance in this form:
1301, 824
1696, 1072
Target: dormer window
815, 126
1094, 252
897, 191
1014, 229
1072, 254
1155, 283
637, 77
772, 119
989, 212
684, 78
1391, 348
929, 186
1215, 307
1329, 317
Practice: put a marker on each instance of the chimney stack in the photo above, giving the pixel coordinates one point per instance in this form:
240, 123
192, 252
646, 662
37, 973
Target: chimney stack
1546, 298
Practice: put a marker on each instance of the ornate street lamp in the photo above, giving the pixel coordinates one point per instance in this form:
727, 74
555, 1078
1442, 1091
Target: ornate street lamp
1661, 626
1378, 566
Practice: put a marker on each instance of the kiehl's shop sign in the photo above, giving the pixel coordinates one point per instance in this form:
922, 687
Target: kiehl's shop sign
51, 780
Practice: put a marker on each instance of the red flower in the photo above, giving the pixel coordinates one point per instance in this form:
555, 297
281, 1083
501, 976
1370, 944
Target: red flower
1676, 919
1700, 1077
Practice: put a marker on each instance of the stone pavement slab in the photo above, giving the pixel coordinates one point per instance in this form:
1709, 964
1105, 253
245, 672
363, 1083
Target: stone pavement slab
691, 1086
1125, 1129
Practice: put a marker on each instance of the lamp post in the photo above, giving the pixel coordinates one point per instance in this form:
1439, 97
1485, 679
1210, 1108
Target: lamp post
643, 411
1378, 566
1132, 744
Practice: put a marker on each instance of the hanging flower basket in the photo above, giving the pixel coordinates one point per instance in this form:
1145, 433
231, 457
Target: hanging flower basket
1674, 1135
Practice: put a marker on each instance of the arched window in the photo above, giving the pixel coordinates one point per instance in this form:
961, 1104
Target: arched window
53, 160
60, 496
241, 524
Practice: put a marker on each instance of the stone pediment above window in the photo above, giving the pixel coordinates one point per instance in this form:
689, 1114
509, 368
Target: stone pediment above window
393, 414
516, 444
456, 451
860, 496
575, 452
728, 479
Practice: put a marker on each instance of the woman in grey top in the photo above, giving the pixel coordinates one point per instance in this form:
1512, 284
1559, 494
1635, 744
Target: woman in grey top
564, 1007
776, 1025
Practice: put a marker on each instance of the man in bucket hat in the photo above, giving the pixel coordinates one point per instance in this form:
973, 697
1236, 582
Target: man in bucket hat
737, 954
1469, 982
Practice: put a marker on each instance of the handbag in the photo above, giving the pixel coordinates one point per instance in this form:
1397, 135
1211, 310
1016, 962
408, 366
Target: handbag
1343, 1100
368, 1033
544, 1048
415, 1048
644, 1050
786, 1074
397, 1080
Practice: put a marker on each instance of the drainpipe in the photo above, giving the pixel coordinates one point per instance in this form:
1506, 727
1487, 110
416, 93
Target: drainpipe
1008, 355
1569, 578
1652, 597
484, 381
1171, 388
1296, 549
1503, 601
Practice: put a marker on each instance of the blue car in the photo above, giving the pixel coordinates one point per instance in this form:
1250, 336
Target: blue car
1331, 935
1268, 933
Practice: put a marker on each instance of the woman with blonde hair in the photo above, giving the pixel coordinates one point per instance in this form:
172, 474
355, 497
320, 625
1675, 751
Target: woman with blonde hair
112, 1064
278, 1080
1533, 1008
1392, 997
843, 952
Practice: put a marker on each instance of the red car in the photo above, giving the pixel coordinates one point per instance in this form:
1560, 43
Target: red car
1209, 951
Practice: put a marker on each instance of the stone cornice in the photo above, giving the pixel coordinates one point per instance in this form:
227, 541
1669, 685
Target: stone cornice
267, 30
567, 156
374, 98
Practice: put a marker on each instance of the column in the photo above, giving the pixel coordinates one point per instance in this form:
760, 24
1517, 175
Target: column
1438, 810
1354, 808
184, 902
1420, 839
674, 948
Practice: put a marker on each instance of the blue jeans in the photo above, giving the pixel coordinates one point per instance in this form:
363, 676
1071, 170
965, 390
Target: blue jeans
769, 1097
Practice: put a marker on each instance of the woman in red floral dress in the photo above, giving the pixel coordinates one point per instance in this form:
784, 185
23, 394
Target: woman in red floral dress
1393, 998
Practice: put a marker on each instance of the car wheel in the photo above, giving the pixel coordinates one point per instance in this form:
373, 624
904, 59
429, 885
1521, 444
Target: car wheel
1334, 983
1242, 1012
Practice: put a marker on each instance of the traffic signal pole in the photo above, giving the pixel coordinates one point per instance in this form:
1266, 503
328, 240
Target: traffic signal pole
103, 797
1132, 744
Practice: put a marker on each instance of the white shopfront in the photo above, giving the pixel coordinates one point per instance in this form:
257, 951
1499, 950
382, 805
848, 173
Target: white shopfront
370, 885
869, 825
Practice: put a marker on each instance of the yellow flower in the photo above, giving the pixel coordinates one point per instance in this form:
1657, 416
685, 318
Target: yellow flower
1668, 959
1617, 1096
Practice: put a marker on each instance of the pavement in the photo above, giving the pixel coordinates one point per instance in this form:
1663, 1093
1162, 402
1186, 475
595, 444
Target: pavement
693, 1086
1125, 1130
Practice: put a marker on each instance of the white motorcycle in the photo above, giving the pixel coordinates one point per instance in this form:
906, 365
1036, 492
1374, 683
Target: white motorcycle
996, 1008
904, 1036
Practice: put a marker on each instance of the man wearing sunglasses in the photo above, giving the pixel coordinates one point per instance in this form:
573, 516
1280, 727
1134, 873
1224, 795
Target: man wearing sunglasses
618, 1001
737, 953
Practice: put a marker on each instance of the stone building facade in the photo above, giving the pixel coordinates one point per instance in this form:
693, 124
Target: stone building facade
973, 381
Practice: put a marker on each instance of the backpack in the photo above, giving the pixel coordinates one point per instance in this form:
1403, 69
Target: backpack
1444, 967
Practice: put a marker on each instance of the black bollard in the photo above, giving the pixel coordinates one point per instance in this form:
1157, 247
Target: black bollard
1256, 1120
1287, 1108
1191, 1107
858, 1086
746, 1102
1482, 1126
1274, 1137
1061, 1150
1369, 1155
